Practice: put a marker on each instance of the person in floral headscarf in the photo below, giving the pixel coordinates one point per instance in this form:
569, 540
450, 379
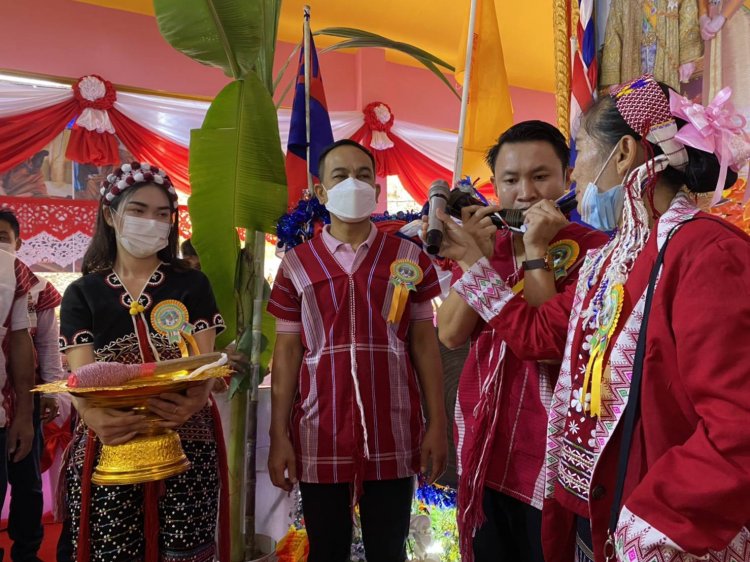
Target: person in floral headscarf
682, 487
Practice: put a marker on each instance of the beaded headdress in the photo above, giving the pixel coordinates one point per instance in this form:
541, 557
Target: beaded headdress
651, 114
135, 173
645, 108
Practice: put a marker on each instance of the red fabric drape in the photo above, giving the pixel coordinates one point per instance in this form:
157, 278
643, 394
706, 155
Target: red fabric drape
415, 170
92, 146
23, 135
100, 149
147, 146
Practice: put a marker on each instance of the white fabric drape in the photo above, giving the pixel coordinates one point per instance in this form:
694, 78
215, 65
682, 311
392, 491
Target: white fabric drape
171, 118
21, 98
436, 144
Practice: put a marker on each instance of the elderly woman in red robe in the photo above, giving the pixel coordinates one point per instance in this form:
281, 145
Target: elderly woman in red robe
664, 473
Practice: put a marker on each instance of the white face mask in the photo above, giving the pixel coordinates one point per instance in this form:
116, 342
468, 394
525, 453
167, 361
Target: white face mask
8, 247
142, 238
351, 200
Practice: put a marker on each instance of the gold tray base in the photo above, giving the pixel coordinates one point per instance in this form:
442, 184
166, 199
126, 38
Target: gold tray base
145, 458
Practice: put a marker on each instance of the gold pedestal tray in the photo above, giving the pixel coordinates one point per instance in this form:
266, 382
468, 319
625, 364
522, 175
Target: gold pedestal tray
144, 458
156, 453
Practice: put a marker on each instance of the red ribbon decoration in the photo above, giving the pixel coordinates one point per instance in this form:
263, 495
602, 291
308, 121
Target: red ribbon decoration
371, 117
56, 439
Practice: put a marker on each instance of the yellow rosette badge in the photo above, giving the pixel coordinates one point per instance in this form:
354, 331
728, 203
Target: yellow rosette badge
170, 318
405, 276
599, 342
564, 254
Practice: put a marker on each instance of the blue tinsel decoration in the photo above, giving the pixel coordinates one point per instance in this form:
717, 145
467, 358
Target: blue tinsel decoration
298, 225
436, 495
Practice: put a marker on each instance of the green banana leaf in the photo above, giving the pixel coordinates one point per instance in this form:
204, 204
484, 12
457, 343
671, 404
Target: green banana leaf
357, 39
228, 34
270, 13
353, 33
401, 47
238, 180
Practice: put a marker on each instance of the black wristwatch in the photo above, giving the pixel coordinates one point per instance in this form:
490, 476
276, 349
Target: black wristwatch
539, 263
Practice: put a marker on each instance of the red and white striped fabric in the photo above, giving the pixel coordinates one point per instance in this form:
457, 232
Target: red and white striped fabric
156, 129
584, 71
357, 415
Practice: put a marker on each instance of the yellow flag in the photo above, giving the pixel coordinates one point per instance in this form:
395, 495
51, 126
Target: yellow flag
489, 111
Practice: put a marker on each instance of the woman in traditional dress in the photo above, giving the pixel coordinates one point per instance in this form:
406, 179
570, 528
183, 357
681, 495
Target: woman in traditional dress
130, 276
686, 485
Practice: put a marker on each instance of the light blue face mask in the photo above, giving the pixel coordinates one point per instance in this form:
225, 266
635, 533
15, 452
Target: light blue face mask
599, 209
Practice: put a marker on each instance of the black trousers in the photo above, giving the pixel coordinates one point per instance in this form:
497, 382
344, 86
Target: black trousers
385, 513
4, 462
511, 533
26, 499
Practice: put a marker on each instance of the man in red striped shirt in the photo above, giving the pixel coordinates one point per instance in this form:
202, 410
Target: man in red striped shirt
355, 346
25, 477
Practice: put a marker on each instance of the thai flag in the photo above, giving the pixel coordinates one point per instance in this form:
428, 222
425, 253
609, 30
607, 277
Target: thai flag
320, 128
583, 65
584, 72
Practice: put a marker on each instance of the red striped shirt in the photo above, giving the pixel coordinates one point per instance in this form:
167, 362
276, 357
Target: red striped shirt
13, 288
346, 339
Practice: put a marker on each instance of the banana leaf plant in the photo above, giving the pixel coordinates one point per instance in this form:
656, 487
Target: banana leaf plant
238, 181
358, 39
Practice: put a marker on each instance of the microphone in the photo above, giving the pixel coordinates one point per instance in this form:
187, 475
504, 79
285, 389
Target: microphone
505, 218
438, 199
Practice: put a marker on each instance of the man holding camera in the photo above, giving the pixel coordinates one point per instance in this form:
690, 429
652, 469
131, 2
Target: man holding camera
501, 410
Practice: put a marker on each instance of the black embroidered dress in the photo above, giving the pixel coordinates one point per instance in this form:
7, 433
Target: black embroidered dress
97, 310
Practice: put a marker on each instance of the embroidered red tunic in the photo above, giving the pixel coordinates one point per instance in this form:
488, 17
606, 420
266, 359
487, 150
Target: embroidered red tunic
350, 355
688, 484
524, 391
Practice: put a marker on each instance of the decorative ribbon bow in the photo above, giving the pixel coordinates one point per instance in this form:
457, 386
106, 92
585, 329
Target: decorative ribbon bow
716, 128
379, 117
56, 438
95, 96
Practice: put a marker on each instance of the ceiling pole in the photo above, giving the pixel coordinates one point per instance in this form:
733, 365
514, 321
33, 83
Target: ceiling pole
465, 94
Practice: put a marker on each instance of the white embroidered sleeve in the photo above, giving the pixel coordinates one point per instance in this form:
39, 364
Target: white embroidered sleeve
483, 290
637, 541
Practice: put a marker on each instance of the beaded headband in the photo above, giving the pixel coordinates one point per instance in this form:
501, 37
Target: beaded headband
135, 173
644, 106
